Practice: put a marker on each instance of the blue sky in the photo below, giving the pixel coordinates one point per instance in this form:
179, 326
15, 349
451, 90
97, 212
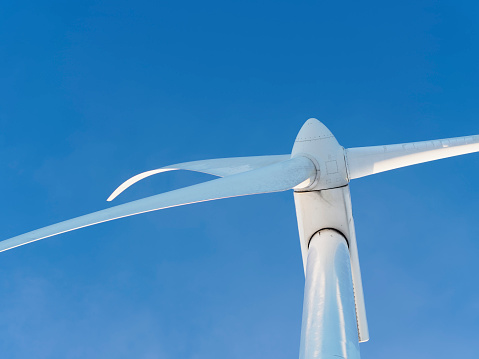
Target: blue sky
94, 92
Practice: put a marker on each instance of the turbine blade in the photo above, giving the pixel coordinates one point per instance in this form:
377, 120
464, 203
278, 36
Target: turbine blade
297, 172
220, 167
365, 161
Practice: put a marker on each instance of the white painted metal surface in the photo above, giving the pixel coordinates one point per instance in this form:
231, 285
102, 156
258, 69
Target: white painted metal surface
365, 161
327, 202
220, 167
315, 141
329, 320
274, 178
318, 210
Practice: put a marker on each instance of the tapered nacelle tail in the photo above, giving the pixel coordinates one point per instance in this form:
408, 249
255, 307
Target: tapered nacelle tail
365, 161
331, 209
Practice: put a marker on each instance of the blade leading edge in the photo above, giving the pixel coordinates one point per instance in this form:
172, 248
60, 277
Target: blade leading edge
295, 172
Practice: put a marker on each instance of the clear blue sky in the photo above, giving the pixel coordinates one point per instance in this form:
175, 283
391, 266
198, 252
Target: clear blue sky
94, 92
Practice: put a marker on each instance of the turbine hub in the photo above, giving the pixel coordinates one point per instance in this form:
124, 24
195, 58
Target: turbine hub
317, 143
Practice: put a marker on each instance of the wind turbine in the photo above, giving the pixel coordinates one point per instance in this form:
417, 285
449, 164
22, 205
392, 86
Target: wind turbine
319, 171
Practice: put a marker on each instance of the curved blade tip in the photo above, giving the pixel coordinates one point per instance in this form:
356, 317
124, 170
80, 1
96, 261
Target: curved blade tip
134, 179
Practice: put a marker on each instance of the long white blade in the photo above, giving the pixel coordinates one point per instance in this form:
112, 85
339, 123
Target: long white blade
365, 161
295, 172
220, 167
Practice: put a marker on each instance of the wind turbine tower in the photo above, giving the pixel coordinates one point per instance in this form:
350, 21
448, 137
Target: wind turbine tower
318, 170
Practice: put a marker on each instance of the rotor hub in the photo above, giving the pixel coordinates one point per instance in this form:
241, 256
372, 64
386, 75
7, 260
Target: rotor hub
317, 143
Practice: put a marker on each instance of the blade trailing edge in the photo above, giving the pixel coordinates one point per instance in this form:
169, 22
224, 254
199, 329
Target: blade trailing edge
220, 167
